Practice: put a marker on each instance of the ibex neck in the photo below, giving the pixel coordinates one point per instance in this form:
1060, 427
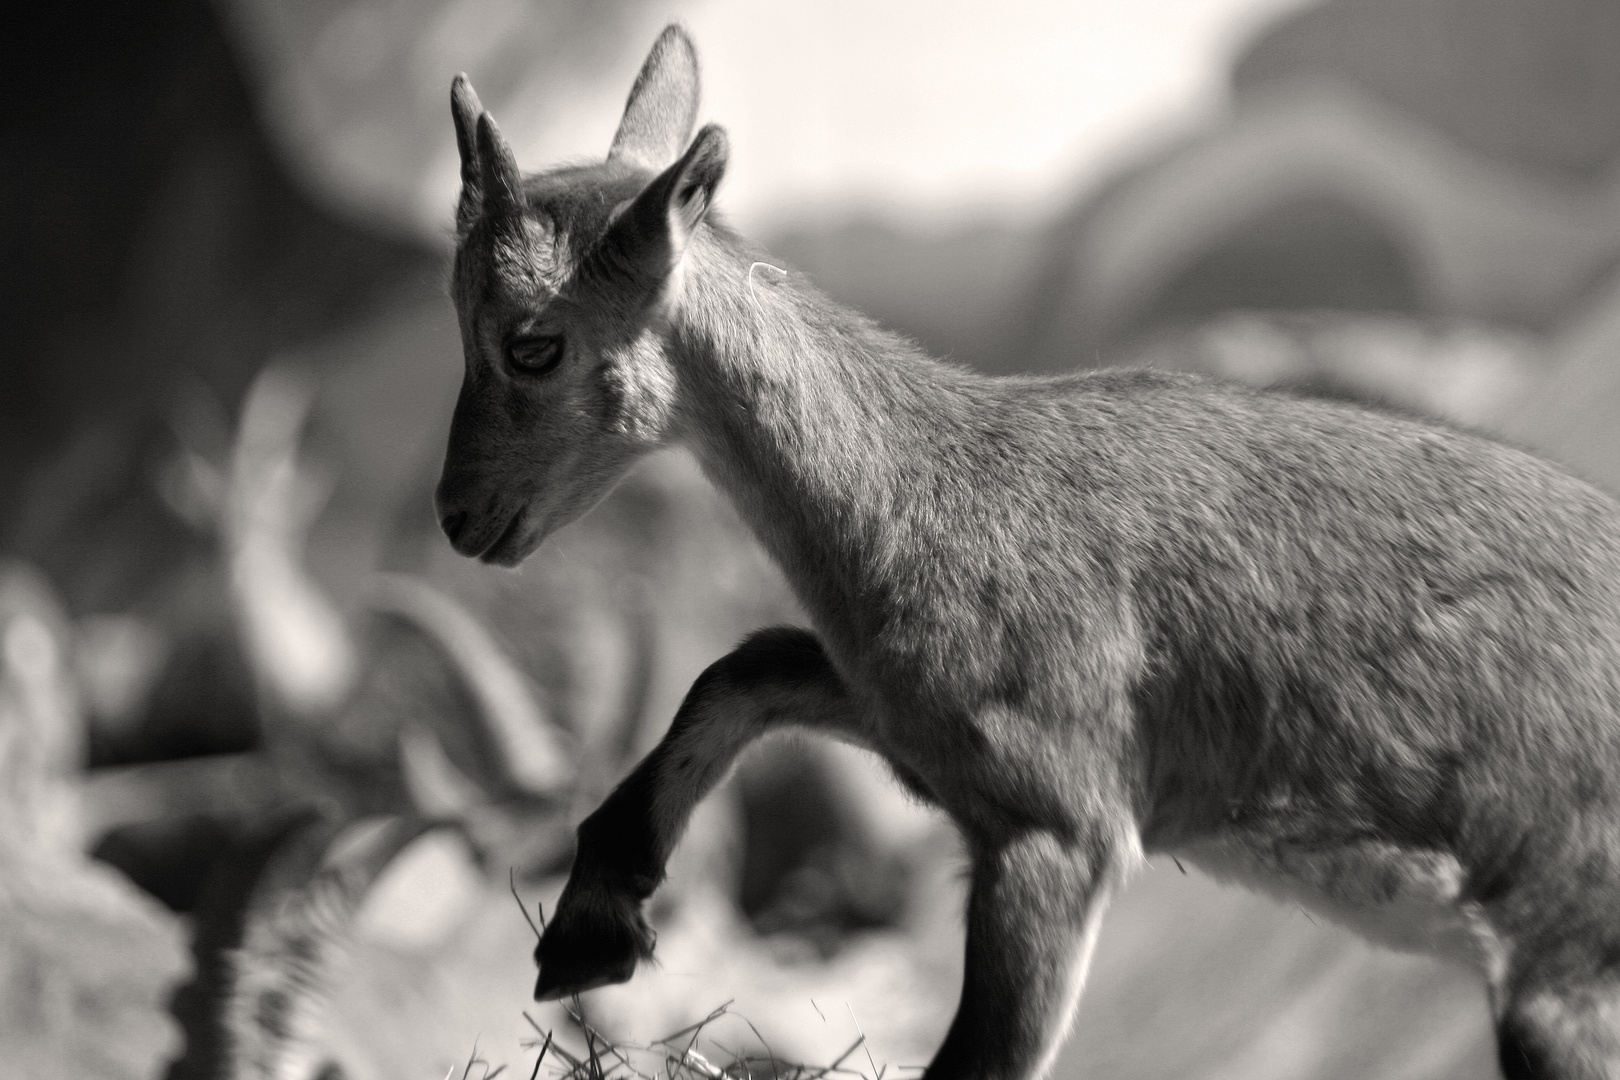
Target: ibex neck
816, 423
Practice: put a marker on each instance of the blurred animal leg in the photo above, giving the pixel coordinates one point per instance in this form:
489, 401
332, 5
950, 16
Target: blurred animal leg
1033, 913
777, 677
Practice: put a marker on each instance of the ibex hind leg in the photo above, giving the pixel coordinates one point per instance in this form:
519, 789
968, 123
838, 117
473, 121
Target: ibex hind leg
597, 934
1562, 1033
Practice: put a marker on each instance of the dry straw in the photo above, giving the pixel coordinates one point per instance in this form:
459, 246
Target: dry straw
687, 1054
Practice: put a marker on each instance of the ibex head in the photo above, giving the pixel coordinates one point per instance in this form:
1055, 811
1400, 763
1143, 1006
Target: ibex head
564, 283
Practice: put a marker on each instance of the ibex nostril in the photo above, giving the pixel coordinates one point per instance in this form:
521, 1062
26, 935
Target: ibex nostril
452, 524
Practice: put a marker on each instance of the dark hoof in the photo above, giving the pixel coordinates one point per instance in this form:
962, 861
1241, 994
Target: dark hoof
580, 952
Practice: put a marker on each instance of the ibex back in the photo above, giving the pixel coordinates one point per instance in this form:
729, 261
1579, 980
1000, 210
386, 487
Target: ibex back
1344, 655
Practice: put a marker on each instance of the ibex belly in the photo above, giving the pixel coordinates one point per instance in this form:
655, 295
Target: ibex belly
1405, 899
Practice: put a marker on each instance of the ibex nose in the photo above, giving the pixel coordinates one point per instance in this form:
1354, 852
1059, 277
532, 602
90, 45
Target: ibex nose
452, 524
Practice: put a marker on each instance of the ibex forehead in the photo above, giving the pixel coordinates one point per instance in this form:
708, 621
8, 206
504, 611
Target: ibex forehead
566, 209
580, 199
531, 255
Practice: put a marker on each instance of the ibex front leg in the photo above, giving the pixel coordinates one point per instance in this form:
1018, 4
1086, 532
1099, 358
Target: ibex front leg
597, 935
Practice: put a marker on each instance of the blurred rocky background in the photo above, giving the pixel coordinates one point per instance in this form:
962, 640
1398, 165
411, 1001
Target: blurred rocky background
273, 761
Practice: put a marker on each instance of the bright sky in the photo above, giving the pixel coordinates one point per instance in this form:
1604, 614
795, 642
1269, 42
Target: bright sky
933, 110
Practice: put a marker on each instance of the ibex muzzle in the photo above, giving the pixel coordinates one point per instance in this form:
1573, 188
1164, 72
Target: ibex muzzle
1356, 658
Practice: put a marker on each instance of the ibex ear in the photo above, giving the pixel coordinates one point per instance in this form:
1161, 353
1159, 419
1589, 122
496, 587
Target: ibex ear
465, 109
650, 237
663, 104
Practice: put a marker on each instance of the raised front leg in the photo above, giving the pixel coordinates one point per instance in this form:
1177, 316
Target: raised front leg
1032, 919
597, 935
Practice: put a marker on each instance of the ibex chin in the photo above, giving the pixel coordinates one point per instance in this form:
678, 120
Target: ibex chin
1346, 656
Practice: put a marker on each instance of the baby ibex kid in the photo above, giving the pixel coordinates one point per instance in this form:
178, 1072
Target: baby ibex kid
1363, 661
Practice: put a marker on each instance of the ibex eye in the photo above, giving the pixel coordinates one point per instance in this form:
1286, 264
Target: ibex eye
535, 355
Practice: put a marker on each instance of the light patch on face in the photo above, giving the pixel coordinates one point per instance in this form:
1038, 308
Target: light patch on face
638, 390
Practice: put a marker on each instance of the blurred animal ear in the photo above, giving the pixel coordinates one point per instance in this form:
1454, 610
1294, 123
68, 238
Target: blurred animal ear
663, 104
650, 237
465, 109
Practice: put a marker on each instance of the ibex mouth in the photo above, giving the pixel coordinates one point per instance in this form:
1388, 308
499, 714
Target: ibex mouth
507, 550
